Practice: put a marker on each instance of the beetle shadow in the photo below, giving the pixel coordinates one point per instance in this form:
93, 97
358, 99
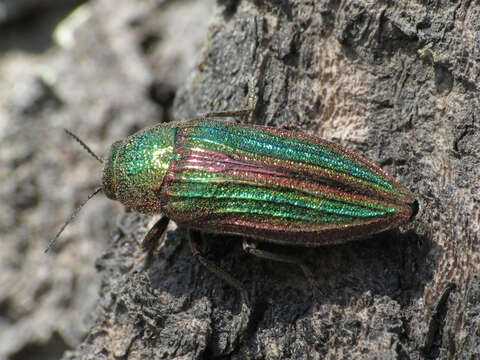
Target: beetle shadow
391, 264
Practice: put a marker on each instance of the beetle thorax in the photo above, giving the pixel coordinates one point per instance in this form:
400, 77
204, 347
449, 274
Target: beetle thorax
136, 166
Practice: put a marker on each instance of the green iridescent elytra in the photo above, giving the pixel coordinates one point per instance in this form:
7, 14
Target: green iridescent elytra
260, 182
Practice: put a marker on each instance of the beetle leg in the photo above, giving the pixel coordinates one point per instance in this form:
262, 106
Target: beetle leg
251, 249
228, 113
214, 268
247, 112
252, 98
195, 238
151, 240
292, 127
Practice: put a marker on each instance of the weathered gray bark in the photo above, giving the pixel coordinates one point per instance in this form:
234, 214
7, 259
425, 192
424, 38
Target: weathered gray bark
396, 82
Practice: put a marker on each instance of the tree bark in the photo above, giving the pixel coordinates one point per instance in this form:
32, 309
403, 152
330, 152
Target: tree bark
394, 81
398, 83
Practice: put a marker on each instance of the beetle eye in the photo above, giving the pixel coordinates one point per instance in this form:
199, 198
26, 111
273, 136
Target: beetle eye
109, 180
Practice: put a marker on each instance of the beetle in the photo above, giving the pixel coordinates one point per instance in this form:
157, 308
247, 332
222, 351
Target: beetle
262, 183
255, 181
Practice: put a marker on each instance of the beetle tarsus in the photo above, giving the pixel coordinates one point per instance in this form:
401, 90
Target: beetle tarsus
245, 312
214, 268
245, 113
251, 248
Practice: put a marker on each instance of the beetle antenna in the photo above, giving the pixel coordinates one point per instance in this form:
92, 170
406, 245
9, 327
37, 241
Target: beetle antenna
74, 214
85, 146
